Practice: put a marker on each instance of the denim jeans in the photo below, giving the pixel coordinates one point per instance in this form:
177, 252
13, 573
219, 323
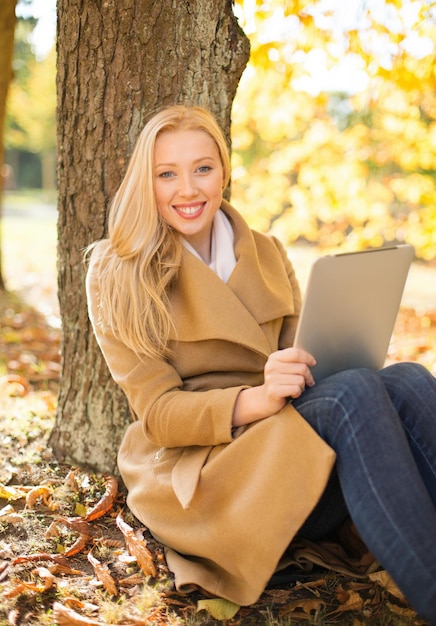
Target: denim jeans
382, 426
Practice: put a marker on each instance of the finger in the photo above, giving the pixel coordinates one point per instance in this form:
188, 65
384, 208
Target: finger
295, 391
296, 355
293, 386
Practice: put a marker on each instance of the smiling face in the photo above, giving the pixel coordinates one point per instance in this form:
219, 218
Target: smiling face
188, 184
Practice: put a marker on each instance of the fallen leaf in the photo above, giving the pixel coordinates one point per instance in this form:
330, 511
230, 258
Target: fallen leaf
342, 594
21, 586
137, 548
80, 509
57, 568
106, 501
354, 602
385, 581
40, 556
63, 616
78, 524
308, 606
72, 602
47, 576
4, 570
404, 612
11, 493
9, 516
77, 546
102, 573
218, 608
41, 491
14, 385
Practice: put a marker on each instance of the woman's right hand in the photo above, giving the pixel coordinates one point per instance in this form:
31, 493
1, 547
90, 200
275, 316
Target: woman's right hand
286, 375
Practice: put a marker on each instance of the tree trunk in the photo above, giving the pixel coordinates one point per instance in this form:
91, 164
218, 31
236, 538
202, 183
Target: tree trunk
118, 61
7, 30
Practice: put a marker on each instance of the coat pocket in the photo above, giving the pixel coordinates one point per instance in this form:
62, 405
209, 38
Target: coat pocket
186, 473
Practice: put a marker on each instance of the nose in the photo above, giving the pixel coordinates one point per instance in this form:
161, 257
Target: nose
188, 188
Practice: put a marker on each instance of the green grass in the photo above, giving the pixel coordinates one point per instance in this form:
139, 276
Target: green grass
28, 241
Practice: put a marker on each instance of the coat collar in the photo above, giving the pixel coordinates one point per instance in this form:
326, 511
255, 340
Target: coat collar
204, 307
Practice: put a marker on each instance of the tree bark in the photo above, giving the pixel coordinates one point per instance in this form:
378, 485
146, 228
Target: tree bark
7, 31
118, 61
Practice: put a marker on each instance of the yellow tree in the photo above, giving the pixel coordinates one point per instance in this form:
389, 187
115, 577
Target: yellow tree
32, 114
333, 123
402, 137
7, 28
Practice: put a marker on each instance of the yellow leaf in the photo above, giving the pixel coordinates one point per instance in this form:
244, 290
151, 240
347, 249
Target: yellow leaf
11, 493
384, 580
218, 608
80, 510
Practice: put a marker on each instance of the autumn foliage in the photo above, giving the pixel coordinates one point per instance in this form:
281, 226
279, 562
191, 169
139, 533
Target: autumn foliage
334, 124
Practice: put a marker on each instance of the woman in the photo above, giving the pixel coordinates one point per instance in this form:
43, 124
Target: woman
195, 314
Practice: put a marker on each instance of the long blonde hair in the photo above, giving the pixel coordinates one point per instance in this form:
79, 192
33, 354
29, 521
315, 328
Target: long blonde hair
144, 253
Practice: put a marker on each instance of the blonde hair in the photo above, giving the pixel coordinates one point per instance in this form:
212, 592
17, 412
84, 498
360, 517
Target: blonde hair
144, 253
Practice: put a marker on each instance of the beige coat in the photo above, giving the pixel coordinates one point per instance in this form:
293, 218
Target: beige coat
225, 503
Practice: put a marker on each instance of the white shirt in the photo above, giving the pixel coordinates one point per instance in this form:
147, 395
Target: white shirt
222, 255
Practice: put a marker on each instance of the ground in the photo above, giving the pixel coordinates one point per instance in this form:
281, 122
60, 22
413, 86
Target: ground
72, 554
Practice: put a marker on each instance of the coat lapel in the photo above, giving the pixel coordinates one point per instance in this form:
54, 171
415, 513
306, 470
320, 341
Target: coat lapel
204, 307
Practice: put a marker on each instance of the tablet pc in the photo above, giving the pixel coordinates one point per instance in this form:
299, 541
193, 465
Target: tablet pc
350, 307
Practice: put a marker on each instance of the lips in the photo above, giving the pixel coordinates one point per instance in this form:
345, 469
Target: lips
189, 211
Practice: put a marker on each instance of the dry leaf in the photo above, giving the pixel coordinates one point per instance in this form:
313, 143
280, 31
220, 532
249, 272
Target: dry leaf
40, 556
17, 588
9, 516
72, 602
103, 575
137, 548
14, 385
384, 580
342, 594
218, 608
308, 605
11, 493
106, 502
40, 491
80, 510
21, 586
47, 576
57, 568
64, 616
77, 546
52, 530
354, 602
404, 612
78, 524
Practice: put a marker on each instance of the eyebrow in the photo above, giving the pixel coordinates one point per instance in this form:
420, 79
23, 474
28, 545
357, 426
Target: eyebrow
205, 158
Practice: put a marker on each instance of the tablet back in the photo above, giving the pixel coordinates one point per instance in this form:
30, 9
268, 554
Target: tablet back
350, 307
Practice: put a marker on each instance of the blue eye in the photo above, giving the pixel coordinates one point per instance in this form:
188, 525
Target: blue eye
203, 169
166, 175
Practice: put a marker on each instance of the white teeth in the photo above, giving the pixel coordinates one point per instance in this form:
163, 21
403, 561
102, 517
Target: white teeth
189, 210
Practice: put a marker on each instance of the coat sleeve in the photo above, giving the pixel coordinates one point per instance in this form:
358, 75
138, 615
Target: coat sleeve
171, 417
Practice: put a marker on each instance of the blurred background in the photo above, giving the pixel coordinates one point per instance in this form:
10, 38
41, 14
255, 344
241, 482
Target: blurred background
333, 131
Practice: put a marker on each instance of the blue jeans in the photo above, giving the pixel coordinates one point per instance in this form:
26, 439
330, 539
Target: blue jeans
382, 426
